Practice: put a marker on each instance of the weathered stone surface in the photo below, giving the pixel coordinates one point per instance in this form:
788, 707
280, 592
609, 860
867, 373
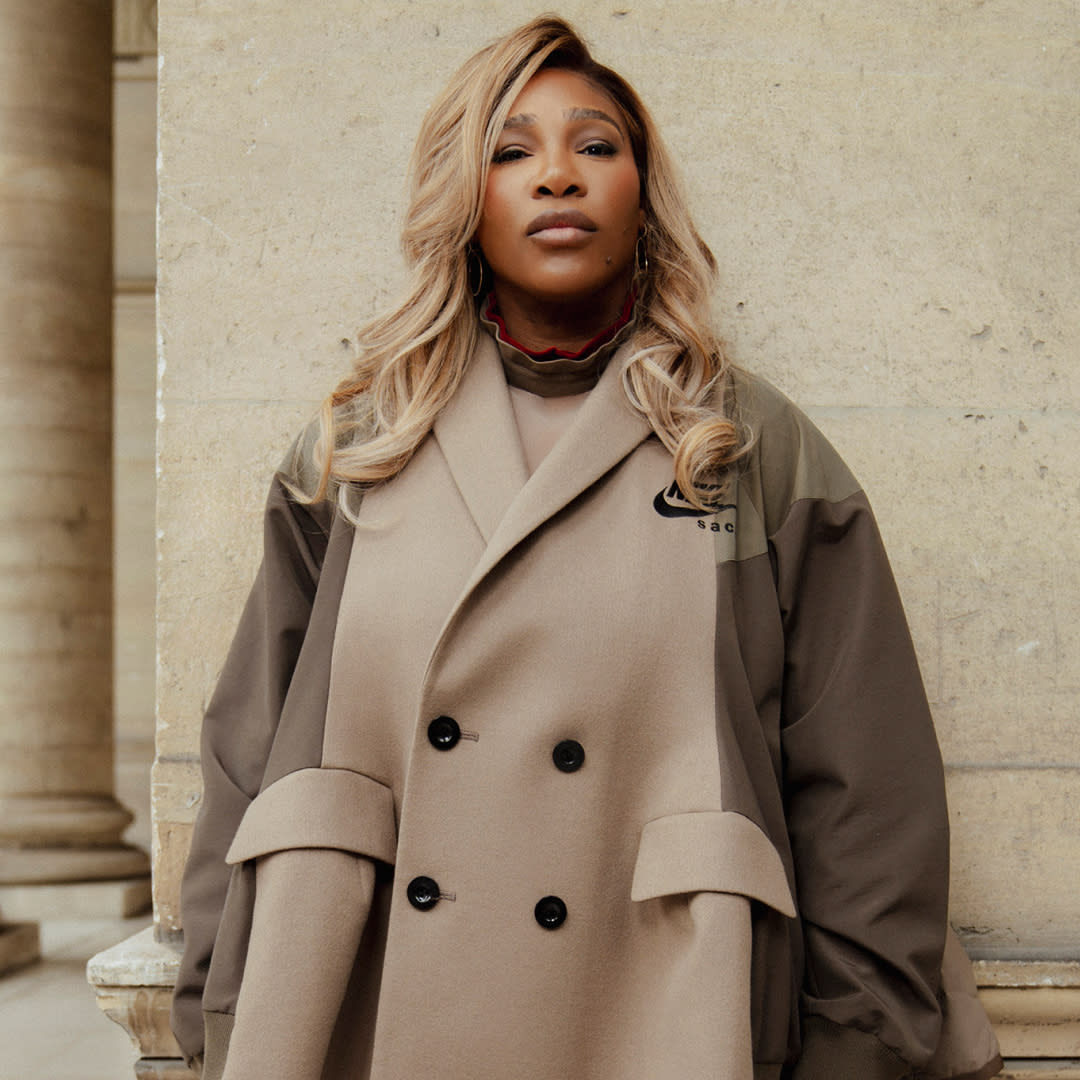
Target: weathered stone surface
1015, 849
891, 194
1034, 1006
1029, 1023
140, 960
133, 983
1040, 1070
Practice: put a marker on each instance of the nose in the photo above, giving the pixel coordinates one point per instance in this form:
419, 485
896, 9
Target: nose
558, 176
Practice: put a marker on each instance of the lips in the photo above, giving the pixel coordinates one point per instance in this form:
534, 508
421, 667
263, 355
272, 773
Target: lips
561, 219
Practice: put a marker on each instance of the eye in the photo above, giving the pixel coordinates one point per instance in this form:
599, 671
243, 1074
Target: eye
508, 153
599, 148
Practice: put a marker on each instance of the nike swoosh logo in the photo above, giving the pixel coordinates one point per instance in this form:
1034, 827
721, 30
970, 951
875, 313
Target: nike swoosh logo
671, 503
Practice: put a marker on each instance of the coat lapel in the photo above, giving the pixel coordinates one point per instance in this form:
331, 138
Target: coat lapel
478, 436
602, 434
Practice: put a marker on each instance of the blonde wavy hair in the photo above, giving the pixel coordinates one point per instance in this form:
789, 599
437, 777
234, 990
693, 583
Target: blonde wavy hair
414, 356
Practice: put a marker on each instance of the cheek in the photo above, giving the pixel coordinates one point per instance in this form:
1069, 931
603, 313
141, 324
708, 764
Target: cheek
626, 194
494, 218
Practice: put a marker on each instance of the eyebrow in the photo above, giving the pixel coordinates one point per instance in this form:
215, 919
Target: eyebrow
522, 120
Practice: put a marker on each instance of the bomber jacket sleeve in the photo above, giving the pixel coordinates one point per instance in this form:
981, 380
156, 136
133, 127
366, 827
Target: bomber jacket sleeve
239, 729
863, 778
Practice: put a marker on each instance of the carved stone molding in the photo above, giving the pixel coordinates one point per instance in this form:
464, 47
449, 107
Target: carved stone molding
1035, 1008
133, 983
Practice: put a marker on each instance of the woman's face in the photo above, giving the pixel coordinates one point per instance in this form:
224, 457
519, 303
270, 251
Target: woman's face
562, 208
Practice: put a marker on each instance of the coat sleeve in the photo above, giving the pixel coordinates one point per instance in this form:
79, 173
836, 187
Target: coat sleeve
239, 729
863, 779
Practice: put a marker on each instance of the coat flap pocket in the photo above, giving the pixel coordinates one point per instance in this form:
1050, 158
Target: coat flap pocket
319, 808
710, 851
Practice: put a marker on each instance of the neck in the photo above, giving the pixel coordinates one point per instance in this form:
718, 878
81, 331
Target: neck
541, 324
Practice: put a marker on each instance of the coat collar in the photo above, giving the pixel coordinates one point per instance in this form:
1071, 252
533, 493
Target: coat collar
478, 436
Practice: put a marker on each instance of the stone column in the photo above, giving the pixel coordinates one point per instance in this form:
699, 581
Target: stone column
59, 820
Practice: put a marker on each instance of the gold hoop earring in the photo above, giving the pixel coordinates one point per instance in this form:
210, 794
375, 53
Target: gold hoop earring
641, 252
474, 271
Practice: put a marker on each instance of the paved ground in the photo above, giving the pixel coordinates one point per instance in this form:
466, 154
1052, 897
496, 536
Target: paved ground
50, 1025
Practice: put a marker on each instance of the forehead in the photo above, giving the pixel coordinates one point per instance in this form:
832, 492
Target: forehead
553, 92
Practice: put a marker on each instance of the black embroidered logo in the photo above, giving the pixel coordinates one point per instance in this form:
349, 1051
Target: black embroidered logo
671, 503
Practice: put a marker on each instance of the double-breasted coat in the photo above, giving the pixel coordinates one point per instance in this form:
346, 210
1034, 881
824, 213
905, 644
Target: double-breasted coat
555, 776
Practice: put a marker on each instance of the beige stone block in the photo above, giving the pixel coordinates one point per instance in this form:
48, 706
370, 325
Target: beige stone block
79, 900
210, 535
886, 257
1015, 849
177, 793
1040, 1070
134, 175
135, 571
176, 790
171, 845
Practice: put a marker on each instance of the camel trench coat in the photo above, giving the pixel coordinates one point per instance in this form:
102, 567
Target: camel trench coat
556, 777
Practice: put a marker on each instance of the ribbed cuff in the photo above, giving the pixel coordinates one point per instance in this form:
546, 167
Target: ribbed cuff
833, 1052
218, 1032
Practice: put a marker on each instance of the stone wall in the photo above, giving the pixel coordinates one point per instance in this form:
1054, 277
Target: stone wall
891, 191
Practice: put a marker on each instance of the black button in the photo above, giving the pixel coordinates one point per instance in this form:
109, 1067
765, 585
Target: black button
443, 733
423, 893
550, 912
568, 756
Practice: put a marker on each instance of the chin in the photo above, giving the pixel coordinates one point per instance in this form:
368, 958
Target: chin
576, 290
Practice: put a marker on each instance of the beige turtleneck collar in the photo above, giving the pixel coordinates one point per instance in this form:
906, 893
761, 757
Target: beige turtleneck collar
548, 391
556, 373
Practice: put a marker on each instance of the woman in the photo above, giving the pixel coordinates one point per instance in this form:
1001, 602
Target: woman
572, 729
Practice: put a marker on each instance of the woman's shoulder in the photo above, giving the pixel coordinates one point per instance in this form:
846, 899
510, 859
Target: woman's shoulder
302, 468
789, 458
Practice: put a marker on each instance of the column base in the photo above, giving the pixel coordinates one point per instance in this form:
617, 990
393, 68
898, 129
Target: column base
58, 821
19, 945
58, 865
78, 900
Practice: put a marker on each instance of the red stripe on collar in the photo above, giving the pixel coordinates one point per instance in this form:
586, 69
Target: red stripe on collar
492, 315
